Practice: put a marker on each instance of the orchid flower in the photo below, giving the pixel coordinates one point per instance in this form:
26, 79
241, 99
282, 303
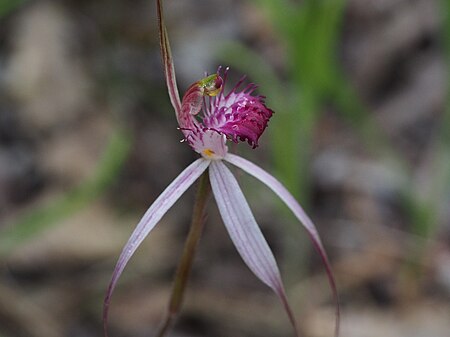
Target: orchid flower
209, 118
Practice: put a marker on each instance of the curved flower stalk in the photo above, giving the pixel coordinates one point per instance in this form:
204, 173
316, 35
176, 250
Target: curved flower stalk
208, 118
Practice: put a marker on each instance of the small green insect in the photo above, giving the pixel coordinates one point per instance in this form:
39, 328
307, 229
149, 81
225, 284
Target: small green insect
210, 85
193, 98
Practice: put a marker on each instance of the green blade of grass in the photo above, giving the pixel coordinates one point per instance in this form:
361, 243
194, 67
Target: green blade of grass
7, 6
41, 219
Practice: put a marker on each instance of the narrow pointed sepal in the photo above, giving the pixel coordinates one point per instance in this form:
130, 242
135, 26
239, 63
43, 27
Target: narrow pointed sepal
169, 68
156, 211
299, 213
245, 232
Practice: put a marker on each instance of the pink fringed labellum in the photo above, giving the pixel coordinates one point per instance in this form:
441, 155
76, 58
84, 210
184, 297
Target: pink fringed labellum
238, 115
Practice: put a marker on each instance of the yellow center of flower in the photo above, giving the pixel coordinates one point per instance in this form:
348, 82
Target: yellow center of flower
208, 153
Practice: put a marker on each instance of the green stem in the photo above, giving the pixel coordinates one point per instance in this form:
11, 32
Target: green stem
190, 246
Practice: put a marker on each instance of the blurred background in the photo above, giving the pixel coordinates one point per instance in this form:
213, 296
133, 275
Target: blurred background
361, 136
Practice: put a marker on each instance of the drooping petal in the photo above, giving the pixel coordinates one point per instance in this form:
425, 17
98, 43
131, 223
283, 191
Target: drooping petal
298, 211
156, 211
245, 232
169, 68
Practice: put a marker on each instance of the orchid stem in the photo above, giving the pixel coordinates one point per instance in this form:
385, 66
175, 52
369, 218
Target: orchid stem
190, 246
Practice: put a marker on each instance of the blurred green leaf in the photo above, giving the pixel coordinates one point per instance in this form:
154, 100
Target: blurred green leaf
310, 31
427, 207
41, 219
7, 6
239, 56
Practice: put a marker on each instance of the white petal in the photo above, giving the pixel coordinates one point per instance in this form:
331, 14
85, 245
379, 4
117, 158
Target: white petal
279, 189
298, 211
156, 211
244, 231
